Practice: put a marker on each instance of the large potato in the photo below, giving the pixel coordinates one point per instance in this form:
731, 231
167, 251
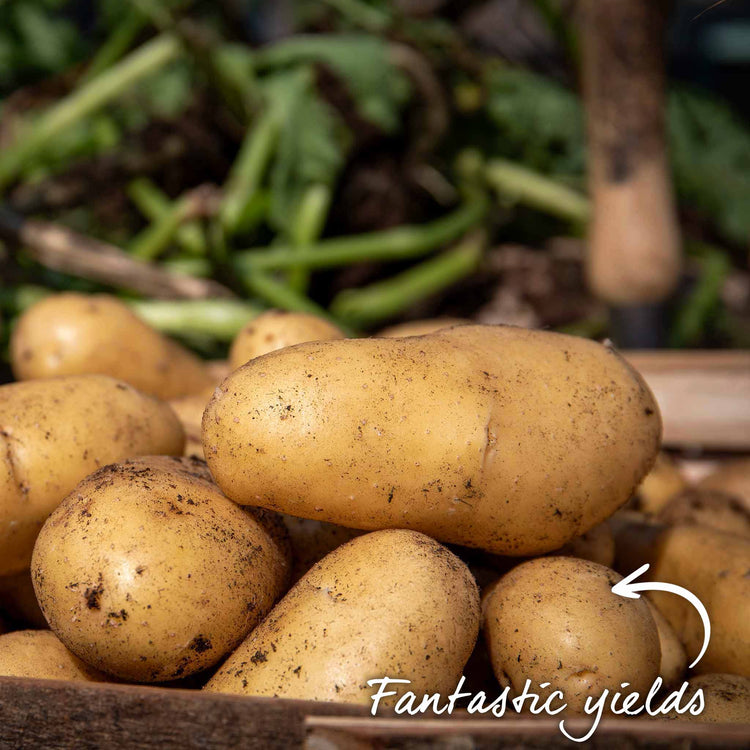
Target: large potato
556, 620
53, 433
713, 565
40, 654
502, 438
393, 603
76, 334
147, 572
277, 329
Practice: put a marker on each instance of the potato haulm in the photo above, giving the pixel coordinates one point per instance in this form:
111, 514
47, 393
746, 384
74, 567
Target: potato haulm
506, 439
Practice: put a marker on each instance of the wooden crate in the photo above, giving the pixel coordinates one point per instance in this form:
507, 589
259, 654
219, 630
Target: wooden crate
78, 716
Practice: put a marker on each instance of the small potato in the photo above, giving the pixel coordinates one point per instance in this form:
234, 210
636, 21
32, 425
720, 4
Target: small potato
714, 566
53, 433
147, 572
77, 334
596, 545
673, 665
556, 620
420, 327
392, 603
505, 439
660, 485
705, 507
277, 329
733, 477
40, 654
726, 696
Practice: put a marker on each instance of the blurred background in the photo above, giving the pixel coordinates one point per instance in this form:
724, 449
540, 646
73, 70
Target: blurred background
369, 161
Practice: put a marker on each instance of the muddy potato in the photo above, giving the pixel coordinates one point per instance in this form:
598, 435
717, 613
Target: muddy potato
506, 439
673, 664
420, 327
40, 654
714, 566
706, 507
726, 698
392, 603
277, 329
556, 620
147, 572
53, 433
76, 334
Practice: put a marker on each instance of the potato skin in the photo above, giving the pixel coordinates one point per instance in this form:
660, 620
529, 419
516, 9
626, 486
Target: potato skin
727, 699
40, 654
714, 566
77, 334
673, 665
277, 329
147, 572
556, 620
53, 433
733, 477
501, 438
713, 508
392, 603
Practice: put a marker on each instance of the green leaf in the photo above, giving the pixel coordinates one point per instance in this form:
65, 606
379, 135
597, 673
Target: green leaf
378, 88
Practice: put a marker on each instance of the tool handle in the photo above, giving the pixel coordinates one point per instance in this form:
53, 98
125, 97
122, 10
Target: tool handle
634, 253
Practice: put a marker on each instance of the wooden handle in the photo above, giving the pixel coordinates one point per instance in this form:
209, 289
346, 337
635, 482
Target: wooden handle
634, 246
704, 397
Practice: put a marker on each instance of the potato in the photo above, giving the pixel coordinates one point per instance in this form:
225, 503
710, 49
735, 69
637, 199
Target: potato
311, 541
77, 334
506, 439
53, 433
673, 663
277, 329
596, 545
420, 327
660, 485
714, 566
706, 507
189, 410
40, 654
726, 696
147, 572
733, 478
556, 620
392, 603
18, 601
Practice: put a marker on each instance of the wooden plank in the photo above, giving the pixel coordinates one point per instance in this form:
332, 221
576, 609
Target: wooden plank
704, 396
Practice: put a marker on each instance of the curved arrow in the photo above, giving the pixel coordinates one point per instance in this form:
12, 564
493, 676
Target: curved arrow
626, 587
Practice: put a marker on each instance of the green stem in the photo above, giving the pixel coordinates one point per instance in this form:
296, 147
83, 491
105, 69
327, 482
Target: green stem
361, 14
84, 101
220, 319
248, 169
391, 244
154, 239
533, 189
384, 299
307, 228
201, 268
116, 45
154, 205
278, 294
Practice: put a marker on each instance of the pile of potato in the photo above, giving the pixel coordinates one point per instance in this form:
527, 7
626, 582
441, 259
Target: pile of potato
366, 507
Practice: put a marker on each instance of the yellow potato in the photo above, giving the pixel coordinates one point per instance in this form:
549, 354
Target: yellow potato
733, 478
705, 507
40, 654
277, 329
53, 433
392, 603
77, 334
556, 620
596, 545
673, 663
714, 566
147, 572
660, 485
421, 327
726, 697
506, 439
